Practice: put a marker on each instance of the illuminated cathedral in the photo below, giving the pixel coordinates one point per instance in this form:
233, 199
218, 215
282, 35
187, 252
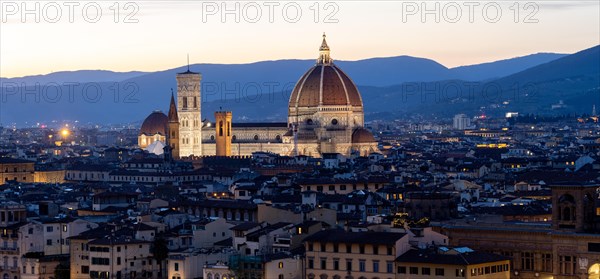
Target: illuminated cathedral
325, 115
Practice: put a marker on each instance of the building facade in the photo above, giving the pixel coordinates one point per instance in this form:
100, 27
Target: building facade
569, 248
17, 170
325, 115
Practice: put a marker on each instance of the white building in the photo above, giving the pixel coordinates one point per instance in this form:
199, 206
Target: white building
188, 110
190, 263
51, 236
461, 122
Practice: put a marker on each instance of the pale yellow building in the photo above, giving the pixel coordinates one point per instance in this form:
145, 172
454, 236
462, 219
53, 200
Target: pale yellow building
16, 170
443, 262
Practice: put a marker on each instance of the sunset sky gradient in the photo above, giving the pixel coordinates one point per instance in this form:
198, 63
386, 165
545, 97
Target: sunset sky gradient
167, 31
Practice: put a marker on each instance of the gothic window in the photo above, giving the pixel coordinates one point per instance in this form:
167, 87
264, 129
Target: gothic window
195, 102
220, 128
185, 102
566, 208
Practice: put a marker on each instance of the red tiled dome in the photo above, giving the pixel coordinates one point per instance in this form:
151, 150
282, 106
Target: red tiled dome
155, 123
362, 135
326, 85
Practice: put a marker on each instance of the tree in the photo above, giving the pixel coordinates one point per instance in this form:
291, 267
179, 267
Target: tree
160, 252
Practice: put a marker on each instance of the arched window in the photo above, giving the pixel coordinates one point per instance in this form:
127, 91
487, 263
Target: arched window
567, 213
255, 137
566, 208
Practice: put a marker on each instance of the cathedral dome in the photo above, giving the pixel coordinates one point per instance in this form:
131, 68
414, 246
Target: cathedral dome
325, 84
362, 135
155, 123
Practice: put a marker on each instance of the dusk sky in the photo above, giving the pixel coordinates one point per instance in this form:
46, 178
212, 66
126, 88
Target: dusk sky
167, 31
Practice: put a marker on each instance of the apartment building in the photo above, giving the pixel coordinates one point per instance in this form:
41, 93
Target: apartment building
338, 254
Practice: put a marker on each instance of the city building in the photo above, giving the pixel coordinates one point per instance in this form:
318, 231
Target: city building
461, 122
325, 115
338, 254
17, 170
569, 247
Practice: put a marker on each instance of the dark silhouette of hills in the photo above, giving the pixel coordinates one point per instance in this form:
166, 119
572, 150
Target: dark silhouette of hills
260, 91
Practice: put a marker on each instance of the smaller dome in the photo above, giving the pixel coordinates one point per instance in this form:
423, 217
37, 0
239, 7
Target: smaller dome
362, 135
155, 123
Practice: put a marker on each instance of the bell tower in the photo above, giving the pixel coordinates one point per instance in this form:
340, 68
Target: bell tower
188, 109
223, 133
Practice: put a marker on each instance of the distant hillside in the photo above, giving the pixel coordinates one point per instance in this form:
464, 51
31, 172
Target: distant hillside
260, 91
502, 68
372, 72
574, 79
580, 64
75, 76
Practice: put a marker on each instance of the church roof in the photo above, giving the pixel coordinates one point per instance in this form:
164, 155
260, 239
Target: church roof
155, 123
157, 148
325, 84
362, 135
173, 110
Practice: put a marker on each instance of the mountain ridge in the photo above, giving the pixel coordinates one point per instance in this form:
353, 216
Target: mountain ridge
153, 90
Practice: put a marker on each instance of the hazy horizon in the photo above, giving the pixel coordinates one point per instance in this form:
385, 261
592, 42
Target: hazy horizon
284, 59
